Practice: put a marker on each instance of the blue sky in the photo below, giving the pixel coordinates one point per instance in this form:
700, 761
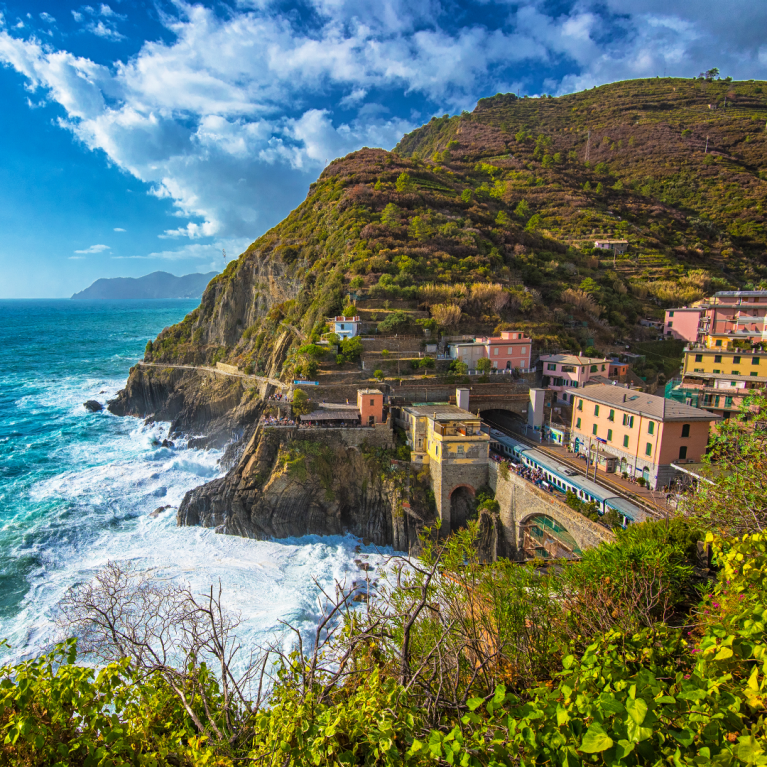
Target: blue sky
138, 135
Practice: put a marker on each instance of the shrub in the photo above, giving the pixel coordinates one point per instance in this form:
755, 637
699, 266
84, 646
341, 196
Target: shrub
405, 183
446, 315
395, 321
351, 348
484, 365
301, 404
379, 374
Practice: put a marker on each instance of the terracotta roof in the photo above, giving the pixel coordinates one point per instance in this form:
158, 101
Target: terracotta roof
659, 408
572, 359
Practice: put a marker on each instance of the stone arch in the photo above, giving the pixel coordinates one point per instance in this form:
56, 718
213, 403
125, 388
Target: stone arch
547, 535
461, 505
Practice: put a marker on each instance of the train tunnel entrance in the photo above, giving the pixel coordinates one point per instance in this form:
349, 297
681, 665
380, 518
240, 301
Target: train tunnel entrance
461, 507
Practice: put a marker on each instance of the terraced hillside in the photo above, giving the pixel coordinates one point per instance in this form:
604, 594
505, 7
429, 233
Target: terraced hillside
488, 219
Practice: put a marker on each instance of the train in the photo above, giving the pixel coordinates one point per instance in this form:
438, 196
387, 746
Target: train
562, 478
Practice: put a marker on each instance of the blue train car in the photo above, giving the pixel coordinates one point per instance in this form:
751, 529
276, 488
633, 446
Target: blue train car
563, 479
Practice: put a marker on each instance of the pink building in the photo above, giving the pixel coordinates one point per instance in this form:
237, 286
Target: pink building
512, 349
732, 311
683, 324
563, 373
370, 405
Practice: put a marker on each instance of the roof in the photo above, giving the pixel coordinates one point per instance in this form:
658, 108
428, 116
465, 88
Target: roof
572, 359
736, 293
369, 391
601, 380
443, 412
724, 377
332, 415
621, 242
625, 507
722, 350
698, 309
632, 401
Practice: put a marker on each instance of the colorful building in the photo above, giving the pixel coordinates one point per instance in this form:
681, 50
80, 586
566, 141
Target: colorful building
370, 405
564, 372
725, 313
616, 246
639, 434
509, 351
345, 327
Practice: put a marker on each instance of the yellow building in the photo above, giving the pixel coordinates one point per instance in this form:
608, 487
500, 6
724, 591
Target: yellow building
445, 434
724, 360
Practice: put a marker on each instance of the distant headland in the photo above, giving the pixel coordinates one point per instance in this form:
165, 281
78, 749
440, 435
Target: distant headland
154, 285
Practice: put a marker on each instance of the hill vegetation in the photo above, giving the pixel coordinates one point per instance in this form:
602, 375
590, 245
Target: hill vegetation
488, 219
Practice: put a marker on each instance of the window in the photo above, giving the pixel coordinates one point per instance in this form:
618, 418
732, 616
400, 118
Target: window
628, 420
736, 360
609, 435
625, 440
603, 368
699, 358
460, 448
685, 430
580, 404
648, 448
594, 430
596, 409
671, 314
735, 373
717, 358
719, 342
728, 401
611, 417
509, 350
755, 360
577, 423
671, 324
683, 452
733, 383
495, 351
372, 402
523, 350
754, 373
551, 366
717, 370
651, 427
594, 368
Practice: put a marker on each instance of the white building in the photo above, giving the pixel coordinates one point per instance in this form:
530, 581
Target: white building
345, 327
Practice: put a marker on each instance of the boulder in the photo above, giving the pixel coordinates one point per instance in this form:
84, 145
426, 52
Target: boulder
93, 406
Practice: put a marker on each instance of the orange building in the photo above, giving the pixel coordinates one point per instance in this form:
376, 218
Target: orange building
639, 434
370, 405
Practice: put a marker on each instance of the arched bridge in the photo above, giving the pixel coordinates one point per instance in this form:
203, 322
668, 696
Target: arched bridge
537, 523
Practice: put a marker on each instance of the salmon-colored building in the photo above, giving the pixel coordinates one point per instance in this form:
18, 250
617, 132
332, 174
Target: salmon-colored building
370, 405
509, 351
639, 434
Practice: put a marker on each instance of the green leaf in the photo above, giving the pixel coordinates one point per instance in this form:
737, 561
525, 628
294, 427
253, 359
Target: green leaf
723, 654
636, 733
596, 740
749, 750
568, 661
474, 703
685, 736
637, 709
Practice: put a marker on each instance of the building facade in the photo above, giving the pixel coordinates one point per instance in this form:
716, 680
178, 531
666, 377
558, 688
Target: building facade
725, 313
370, 405
509, 351
616, 246
638, 434
345, 327
563, 373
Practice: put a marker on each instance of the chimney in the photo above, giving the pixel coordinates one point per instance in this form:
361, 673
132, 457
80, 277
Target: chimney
624, 396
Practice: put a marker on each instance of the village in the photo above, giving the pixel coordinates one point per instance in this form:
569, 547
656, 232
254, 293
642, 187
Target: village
580, 432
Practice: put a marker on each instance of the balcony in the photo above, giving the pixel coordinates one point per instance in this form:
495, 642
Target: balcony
458, 429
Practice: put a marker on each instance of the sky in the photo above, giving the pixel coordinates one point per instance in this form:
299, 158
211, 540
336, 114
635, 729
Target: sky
145, 135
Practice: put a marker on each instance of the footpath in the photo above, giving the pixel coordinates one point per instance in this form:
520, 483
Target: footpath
261, 379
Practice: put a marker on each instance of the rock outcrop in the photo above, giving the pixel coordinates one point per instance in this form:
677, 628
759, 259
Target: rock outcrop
212, 407
286, 485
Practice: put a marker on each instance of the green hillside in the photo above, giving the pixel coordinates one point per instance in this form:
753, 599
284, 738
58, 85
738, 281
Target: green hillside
488, 219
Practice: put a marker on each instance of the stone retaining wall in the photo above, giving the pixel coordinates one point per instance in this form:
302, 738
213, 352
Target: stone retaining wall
380, 435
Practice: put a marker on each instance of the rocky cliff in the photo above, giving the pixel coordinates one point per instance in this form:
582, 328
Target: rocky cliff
287, 484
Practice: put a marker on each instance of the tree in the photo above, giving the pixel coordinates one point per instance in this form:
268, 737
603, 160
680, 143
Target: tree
484, 365
734, 499
420, 229
447, 315
587, 187
356, 283
427, 363
459, 368
379, 374
302, 405
405, 183
466, 195
390, 215
600, 189
534, 222
350, 310
351, 348
522, 210
502, 219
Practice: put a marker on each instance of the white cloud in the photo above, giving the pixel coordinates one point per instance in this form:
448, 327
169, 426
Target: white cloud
232, 115
119, 229
77, 258
47, 18
212, 251
94, 249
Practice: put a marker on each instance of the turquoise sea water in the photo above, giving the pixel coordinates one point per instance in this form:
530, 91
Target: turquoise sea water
77, 488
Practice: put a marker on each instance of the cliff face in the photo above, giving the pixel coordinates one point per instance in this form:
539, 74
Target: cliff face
207, 407
284, 486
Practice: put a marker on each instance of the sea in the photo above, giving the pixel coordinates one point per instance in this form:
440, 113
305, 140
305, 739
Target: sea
77, 489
